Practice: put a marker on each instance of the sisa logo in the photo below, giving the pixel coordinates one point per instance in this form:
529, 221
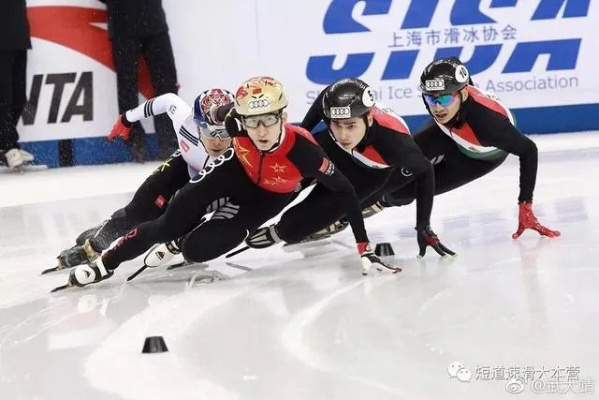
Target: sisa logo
468, 27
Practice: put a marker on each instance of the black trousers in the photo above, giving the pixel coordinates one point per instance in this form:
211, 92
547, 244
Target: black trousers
322, 207
452, 168
247, 206
13, 75
148, 203
158, 53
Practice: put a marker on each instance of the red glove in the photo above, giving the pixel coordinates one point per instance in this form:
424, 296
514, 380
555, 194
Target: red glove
528, 220
426, 237
121, 128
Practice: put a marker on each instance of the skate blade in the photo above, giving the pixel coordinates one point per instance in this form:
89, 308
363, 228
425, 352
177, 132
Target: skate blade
238, 266
188, 264
139, 271
394, 270
308, 241
59, 288
178, 265
50, 270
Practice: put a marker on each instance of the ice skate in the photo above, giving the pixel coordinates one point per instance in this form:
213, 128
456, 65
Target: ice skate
74, 256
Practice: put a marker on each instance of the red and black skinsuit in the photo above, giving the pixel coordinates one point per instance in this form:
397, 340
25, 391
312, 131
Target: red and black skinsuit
475, 142
387, 148
247, 187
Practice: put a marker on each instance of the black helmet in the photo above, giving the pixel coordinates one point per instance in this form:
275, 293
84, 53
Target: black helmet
443, 76
347, 98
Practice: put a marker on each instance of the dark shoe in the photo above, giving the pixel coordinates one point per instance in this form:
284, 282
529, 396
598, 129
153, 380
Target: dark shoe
77, 255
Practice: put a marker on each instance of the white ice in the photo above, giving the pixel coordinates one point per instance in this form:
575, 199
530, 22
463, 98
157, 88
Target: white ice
302, 323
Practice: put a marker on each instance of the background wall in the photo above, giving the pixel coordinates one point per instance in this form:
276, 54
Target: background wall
536, 55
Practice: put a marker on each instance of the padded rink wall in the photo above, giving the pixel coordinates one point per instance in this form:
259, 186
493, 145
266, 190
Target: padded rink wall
537, 56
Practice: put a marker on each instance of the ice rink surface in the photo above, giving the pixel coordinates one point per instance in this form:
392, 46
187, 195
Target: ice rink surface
301, 322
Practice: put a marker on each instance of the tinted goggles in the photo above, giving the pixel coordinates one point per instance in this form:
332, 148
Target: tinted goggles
212, 131
443, 100
221, 134
264, 119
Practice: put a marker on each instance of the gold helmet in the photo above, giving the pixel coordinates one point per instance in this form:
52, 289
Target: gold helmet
260, 95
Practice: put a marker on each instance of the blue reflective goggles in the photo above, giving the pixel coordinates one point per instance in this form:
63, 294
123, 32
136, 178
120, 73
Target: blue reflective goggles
443, 100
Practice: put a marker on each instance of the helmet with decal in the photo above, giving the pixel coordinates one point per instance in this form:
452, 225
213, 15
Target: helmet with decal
215, 97
347, 98
260, 95
207, 99
444, 76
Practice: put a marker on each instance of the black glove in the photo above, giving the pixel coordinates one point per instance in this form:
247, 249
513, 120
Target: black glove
211, 116
426, 237
263, 237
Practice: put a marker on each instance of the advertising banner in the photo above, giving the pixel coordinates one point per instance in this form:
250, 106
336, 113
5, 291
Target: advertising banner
532, 54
